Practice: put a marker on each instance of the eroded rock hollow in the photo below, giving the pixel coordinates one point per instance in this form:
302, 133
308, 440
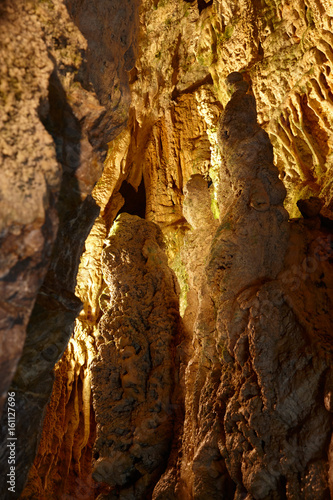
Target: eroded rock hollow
166, 249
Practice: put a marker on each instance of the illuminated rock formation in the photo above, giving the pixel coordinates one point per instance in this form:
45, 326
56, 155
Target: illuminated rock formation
134, 372
276, 426
256, 397
147, 81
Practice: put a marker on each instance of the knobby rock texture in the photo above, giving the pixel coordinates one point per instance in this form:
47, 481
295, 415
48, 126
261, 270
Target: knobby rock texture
56, 119
133, 374
255, 426
245, 392
269, 352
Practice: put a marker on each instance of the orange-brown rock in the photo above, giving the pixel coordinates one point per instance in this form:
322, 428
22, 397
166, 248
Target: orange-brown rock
133, 374
255, 294
259, 397
276, 429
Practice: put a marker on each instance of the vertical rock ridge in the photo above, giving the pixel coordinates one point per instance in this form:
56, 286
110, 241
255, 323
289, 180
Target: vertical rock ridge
133, 373
270, 354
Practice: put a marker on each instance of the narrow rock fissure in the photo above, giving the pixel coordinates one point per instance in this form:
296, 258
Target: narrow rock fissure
135, 200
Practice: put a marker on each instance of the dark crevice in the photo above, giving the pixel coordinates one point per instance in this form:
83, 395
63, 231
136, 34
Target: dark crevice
177, 93
202, 4
75, 215
135, 201
282, 488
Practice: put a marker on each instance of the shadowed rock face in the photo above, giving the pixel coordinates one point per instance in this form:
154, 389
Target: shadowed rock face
54, 126
28, 222
133, 374
49, 330
57, 116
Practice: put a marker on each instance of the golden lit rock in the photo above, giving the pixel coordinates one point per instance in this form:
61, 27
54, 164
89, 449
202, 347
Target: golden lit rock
213, 120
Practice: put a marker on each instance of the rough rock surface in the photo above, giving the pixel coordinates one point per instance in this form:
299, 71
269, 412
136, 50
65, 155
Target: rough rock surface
285, 49
134, 372
177, 57
261, 410
56, 120
63, 462
28, 164
272, 385
270, 397
55, 123
198, 324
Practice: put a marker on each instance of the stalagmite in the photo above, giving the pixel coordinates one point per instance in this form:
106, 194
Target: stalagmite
133, 374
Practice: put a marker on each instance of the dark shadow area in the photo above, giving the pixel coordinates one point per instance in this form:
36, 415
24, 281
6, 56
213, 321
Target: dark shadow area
52, 320
59, 120
135, 201
3, 8
74, 214
202, 4
282, 488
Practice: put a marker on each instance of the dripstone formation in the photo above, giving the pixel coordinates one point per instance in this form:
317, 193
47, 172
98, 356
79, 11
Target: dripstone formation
270, 354
254, 347
167, 110
259, 397
133, 375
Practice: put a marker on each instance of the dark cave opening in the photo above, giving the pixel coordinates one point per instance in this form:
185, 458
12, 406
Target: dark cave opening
202, 4
135, 201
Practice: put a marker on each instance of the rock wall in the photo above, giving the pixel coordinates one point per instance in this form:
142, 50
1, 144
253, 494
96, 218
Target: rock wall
57, 116
255, 294
56, 120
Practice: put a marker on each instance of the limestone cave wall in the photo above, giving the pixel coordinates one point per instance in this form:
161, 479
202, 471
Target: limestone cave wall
166, 248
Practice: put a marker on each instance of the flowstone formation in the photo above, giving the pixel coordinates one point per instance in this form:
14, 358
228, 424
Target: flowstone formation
276, 424
134, 372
